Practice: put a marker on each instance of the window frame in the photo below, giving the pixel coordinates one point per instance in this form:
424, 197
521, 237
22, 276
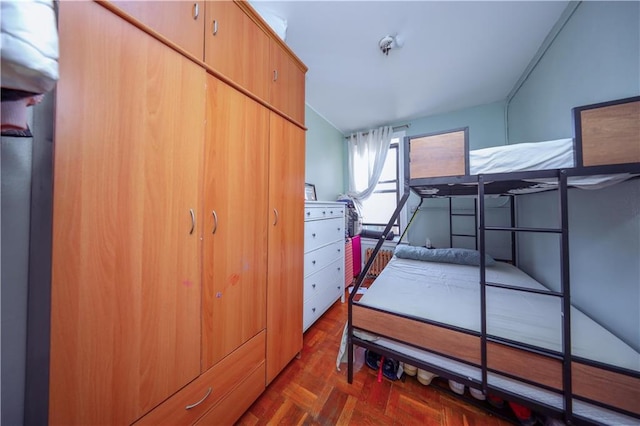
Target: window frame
401, 221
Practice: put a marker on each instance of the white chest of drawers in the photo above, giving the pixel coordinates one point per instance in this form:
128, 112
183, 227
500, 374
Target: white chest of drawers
324, 242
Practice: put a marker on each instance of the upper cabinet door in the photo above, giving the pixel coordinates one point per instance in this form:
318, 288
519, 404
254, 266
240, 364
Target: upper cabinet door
129, 134
235, 234
287, 92
237, 47
180, 21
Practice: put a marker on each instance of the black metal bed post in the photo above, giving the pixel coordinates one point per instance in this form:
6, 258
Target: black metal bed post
483, 283
565, 289
450, 222
512, 204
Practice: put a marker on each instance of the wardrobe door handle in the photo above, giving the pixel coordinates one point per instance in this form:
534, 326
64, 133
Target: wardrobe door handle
193, 221
196, 10
195, 404
275, 214
275, 75
215, 222
214, 29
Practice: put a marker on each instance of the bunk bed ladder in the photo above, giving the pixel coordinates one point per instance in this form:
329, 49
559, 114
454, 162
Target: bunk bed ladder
474, 215
365, 271
563, 294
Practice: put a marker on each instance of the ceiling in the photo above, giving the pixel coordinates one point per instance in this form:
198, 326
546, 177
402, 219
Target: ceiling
454, 55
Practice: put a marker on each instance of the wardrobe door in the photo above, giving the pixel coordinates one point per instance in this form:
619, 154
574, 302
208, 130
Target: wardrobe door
235, 206
286, 244
125, 320
181, 21
287, 89
237, 47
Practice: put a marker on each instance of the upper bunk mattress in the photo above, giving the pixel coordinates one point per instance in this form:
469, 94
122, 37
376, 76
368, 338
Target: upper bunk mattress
449, 294
532, 156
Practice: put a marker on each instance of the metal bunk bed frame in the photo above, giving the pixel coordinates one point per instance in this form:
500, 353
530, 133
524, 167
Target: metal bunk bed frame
481, 185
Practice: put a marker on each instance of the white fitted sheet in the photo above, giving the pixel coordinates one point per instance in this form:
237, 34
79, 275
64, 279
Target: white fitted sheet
548, 155
449, 294
530, 156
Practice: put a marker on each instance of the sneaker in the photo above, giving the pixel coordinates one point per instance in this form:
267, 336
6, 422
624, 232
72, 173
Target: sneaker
410, 370
495, 401
425, 377
372, 359
524, 414
477, 394
456, 387
390, 368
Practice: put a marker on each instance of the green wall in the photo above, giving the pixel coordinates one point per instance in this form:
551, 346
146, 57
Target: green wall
325, 157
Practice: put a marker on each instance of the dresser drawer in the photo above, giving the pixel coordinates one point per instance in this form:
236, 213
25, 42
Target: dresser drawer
322, 232
236, 402
331, 276
316, 260
323, 212
317, 305
210, 387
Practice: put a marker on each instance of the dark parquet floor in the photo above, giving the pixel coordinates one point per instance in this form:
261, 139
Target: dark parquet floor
310, 391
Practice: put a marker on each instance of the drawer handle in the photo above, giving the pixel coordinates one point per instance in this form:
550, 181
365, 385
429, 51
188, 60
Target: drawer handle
339, 250
189, 407
313, 262
331, 212
313, 286
313, 309
215, 221
308, 213
323, 212
313, 235
339, 229
338, 268
193, 221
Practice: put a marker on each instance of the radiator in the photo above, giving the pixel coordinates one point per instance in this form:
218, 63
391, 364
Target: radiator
381, 260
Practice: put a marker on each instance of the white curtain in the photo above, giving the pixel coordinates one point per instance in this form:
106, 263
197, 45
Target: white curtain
367, 154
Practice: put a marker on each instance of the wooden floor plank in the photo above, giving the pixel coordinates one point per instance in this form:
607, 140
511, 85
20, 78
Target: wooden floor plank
311, 391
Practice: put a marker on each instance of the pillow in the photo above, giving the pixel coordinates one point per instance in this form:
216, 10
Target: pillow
445, 255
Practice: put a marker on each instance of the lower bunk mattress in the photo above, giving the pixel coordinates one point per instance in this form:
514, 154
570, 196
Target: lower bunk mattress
449, 294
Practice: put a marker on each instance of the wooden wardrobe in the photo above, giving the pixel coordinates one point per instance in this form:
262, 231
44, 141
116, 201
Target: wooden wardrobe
178, 212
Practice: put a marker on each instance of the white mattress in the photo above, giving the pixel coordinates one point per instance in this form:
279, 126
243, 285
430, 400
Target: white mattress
548, 155
449, 294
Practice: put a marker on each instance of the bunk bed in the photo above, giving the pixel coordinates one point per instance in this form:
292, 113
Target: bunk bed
493, 327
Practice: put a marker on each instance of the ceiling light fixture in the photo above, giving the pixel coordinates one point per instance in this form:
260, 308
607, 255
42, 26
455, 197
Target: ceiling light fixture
389, 42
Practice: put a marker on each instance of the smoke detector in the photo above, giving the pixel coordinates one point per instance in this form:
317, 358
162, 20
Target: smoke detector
389, 42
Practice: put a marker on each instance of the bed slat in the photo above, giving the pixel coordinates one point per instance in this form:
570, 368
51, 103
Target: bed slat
527, 365
443, 340
605, 386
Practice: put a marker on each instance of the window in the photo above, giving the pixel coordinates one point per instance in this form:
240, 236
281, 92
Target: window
379, 207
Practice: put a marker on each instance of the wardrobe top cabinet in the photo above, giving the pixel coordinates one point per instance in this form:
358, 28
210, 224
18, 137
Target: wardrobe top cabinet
232, 40
181, 22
